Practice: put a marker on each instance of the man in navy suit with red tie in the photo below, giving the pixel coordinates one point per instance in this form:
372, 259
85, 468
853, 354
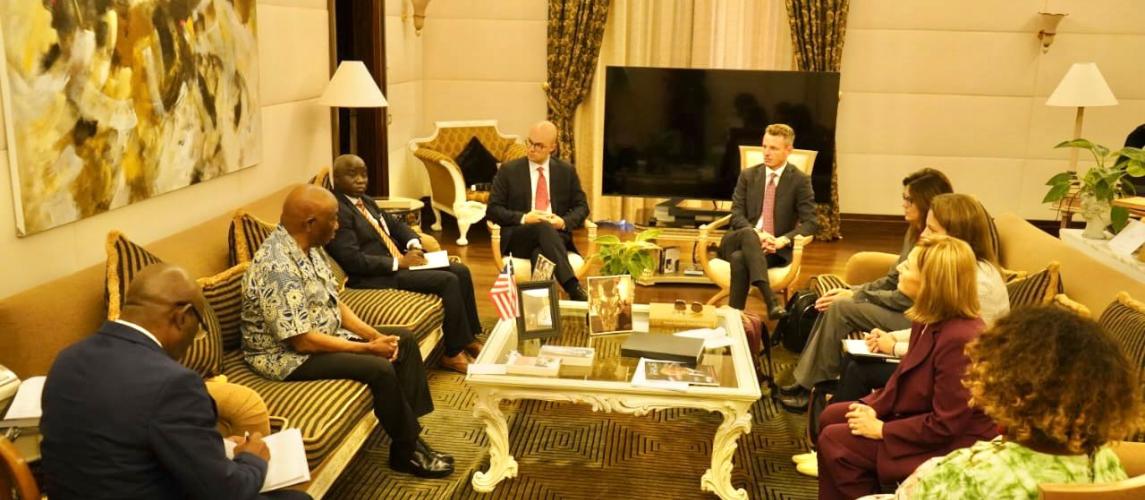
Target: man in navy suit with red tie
538, 201
376, 250
772, 204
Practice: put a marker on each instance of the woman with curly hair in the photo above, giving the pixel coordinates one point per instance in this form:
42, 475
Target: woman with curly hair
1061, 388
922, 412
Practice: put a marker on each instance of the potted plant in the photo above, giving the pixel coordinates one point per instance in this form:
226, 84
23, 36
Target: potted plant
1099, 186
626, 257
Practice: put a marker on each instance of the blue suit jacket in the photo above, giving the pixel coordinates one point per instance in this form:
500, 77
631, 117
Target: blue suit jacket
123, 420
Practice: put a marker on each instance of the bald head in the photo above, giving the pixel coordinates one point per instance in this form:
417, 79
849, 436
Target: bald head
542, 141
310, 215
350, 175
165, 301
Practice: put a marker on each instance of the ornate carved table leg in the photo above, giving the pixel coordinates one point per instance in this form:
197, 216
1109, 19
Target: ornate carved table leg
501, 463
718, 479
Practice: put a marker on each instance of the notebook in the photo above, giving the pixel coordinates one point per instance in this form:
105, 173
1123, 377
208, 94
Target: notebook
858, 347
287, 464
25, 410
433, 260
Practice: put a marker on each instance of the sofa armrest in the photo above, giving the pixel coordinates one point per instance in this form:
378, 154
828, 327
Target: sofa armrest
868, 266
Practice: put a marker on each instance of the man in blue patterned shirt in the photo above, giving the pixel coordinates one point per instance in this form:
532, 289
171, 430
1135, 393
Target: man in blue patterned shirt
294, 328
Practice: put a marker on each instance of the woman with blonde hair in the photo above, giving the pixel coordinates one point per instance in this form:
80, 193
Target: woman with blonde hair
922, 412
1061, 388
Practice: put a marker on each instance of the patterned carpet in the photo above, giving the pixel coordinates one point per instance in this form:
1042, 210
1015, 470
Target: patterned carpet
566, 451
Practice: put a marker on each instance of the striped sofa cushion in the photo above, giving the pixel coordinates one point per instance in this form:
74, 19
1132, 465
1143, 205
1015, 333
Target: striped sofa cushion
419, 312
1035, 289
324, 410
245, 235
1063, 301
1124, 319
224, 293
824, 283
124, 260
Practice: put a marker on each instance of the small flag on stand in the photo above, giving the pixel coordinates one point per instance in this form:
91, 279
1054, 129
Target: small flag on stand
504, 293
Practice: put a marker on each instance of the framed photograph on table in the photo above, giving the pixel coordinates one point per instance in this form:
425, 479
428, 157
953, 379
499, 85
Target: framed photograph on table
610, 304
539, 316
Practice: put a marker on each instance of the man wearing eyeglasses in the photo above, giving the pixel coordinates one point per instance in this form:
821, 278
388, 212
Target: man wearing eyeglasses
123, 419
538, 201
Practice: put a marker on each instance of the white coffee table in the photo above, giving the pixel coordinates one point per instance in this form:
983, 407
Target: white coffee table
607, 389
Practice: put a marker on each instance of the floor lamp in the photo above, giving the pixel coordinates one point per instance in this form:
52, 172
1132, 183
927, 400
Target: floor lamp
353, 87
1082, 86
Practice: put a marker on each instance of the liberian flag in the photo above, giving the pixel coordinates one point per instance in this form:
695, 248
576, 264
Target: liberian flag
504, 293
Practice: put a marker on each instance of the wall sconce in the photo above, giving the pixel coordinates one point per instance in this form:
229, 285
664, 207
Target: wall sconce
418, 7
1047, 28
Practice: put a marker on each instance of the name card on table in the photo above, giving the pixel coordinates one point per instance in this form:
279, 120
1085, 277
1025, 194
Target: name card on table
1129, 239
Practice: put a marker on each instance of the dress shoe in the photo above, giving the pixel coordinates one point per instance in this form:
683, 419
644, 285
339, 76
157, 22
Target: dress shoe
805, 457
422, 464
474, 348
808, 468
791, 390
776, 312
425, 448
794, 404
458, 363
578, 294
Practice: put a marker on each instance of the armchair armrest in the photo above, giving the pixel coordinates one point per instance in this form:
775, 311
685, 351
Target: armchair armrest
706, 240
867, 266
588, 254
445, 179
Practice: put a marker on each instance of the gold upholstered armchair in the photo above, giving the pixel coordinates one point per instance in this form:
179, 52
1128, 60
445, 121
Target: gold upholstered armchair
438, 153
719, 270
523, 268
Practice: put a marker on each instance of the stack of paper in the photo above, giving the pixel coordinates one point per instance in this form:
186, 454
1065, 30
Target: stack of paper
25, 410
287, 464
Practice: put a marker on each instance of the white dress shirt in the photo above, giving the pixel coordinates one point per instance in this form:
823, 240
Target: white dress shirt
140, 329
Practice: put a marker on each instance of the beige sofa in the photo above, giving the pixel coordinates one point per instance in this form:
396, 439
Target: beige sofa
37, 323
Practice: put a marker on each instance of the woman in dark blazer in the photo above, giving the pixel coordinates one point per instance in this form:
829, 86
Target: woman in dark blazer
922, 412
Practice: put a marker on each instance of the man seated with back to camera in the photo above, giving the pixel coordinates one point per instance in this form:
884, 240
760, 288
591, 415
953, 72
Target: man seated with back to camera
295, 328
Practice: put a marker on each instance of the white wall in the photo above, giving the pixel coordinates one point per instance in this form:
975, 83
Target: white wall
962, 87
405, 85
296, 140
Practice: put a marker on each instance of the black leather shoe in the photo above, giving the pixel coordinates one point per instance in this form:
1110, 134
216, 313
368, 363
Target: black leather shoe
424, 447
792, 390
422, 464
776, 312
794, 404
578, 294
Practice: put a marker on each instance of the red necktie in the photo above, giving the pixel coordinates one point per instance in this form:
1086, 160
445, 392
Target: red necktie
767, 218
542, 202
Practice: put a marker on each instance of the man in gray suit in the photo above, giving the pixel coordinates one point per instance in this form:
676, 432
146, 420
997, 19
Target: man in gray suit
772, 204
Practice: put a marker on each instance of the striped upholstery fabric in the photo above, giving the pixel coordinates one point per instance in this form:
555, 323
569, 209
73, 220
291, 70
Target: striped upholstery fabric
1124, 319
1036, 289
245, 235
824, 283
205, 356
419, 312
224, 293
324, 410
124, 260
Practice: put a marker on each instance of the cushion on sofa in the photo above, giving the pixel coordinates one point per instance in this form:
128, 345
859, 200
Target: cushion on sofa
224, 293
245, 235
324, 410
124, 260
477, 165
1035, 289
824, 283
420, 313
1124, 319
1063, 301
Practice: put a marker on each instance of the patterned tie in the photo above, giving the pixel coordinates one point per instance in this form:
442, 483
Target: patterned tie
767, 219
542, 202
382, 232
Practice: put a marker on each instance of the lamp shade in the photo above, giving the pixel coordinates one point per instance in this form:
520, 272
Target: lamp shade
353, 87
1084, 86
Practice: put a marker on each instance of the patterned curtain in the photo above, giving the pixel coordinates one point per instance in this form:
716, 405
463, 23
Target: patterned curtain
817, 29
576, 28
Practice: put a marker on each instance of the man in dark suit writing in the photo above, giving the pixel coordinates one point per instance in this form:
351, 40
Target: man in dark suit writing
123, 419
772, 204
538, 201
376, 250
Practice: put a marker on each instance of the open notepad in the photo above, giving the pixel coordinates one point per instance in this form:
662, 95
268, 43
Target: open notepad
287, 464
25, 410
858, 347
433, 260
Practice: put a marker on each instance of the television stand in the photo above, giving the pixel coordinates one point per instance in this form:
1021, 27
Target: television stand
681, 233
669, 214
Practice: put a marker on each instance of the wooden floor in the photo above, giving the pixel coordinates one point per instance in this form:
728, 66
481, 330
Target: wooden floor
818, 258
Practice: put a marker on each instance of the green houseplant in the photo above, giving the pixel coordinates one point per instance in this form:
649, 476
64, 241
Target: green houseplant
1099, 186
626, 257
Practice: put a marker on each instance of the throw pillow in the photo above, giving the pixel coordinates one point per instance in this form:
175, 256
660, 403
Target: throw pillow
478, 166
124, 260
224, 293
245, 235
1063, 301
1035, 289
1124, 320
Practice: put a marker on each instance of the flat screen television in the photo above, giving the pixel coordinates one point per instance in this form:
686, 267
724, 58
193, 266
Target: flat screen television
675, 133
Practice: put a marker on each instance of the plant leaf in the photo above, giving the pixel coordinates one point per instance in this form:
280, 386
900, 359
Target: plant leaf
1120, 216
1062, 178
608, 239
1076, 143
648, 234
1056, 193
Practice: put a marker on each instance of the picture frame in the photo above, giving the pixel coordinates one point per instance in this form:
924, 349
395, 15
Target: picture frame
610, 304
539, 313
543, 269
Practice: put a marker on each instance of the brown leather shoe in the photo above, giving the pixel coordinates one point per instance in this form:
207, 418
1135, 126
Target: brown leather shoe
474, 348
458, 363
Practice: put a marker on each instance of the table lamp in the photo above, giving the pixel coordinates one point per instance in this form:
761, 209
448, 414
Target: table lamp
1082, 86
353, 87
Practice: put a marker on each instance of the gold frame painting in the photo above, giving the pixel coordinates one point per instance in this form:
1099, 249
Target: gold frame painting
110, 103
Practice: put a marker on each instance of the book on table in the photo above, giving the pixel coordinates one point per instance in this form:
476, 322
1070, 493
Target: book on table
25, 410
569, 356
672, 371
287, 465
665, 315
541, 366
664, 347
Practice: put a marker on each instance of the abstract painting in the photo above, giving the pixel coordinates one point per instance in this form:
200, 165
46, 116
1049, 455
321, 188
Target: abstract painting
111, 102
